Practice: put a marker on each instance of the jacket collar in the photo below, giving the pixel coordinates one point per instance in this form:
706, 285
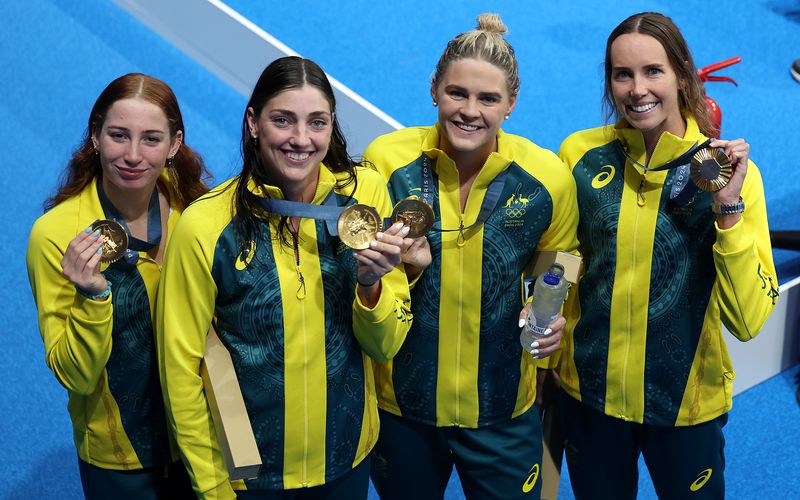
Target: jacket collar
668, 147
496, 162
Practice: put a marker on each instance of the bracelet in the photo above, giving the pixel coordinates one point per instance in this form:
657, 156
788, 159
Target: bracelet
363, 285
95, 296
721, 209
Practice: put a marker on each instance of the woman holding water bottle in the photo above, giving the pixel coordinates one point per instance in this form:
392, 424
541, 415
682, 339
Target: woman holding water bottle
461, 391
645, 369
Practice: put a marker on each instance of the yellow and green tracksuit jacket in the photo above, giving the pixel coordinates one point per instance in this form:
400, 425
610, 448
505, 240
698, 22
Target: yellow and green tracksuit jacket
102, 352
300, 352
645, 343
462, 364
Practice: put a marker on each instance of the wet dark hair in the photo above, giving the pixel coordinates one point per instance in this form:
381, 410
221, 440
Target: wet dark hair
282, 74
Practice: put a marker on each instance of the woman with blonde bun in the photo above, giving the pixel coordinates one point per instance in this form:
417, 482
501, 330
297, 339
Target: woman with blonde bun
461, 391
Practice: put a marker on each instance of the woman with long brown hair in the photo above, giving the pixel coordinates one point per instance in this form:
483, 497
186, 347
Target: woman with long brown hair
133, 173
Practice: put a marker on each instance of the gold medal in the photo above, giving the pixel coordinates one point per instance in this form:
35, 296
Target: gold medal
115, 239
711, 169
358, 224
415, 214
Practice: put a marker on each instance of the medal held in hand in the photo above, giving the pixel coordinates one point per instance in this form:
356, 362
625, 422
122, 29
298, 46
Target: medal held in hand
711, 169
357, 226
414, 213
115, 239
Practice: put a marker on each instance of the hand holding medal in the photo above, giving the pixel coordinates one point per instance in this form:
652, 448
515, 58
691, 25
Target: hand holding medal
81, 261
730, 196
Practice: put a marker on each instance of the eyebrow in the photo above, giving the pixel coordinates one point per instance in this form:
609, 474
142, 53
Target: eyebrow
126, 129
453, 86
292, 113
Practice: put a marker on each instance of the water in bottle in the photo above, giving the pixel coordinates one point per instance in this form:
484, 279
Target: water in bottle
549, 293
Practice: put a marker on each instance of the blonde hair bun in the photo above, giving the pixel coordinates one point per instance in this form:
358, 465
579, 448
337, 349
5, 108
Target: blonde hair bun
491, 23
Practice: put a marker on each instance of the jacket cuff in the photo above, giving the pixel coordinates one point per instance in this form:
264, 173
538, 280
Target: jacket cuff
732, 240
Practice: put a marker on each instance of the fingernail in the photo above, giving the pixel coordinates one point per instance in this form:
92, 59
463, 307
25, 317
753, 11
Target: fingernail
548, 331
398, 225
405, 231
379, 236
535, 353
89, 229
100, 250
373, 244
521, 322
535, 344
96, 232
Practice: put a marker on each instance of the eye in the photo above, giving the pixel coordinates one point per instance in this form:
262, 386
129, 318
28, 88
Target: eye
456, 94
654, 71
319, 123
280, 121
152, 139
490, 99
117, 136
622, 74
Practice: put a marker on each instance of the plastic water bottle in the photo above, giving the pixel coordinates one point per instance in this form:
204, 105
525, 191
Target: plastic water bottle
549, 293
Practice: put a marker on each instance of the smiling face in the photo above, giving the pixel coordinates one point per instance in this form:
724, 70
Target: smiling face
473, 98
645, 86
133, 144
294, 131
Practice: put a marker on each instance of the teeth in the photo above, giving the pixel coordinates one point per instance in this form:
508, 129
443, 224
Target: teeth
298, 156
468, 128
643, 107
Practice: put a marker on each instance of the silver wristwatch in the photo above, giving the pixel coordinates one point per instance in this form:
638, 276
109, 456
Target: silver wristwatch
723, 209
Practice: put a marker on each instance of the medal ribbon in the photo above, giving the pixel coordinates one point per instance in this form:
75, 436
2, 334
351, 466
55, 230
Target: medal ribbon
153, 223
487, 207
327, 211
682, 190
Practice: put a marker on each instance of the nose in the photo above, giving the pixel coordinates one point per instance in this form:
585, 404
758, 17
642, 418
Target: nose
133, 154
470, 109
300, 138
638, 87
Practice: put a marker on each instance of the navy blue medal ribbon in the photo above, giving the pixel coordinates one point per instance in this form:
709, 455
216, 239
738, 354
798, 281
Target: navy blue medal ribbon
135, 245
328, 211
490, 200
682, 191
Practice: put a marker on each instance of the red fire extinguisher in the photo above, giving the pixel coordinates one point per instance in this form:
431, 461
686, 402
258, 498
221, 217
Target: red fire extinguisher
714, 113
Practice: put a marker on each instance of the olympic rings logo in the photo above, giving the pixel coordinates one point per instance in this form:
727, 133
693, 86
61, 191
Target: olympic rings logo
515, 213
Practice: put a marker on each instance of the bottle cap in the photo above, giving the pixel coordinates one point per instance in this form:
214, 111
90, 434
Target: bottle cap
554, 274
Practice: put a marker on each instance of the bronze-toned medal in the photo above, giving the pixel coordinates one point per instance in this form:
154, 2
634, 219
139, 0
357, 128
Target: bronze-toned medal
414, 213
357, 225
711, 169
115, 239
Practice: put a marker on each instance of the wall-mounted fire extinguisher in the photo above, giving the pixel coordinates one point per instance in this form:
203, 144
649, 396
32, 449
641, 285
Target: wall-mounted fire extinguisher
714, 113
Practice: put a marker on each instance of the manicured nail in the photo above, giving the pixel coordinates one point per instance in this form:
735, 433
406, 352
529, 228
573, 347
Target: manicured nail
548, 331
96, 232
535, 353
398, 225
405, 230
100, 250
521, 322
379, 236
89, 229
535, 345
373, 244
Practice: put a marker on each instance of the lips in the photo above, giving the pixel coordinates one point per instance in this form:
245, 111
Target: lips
297, 156
641, 108
130, 173
466, 127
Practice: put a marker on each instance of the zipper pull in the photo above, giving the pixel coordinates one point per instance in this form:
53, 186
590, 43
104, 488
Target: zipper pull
461, 240
301, 290
639, 195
